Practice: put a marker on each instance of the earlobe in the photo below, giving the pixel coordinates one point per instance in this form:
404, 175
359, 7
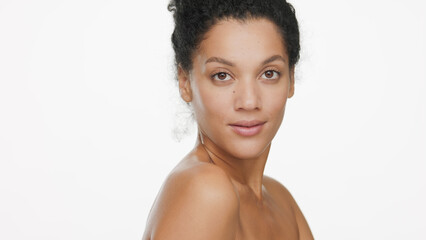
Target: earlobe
184, 85
291, 86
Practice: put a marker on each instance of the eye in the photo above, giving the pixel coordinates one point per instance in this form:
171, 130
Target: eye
221, 76
270, 74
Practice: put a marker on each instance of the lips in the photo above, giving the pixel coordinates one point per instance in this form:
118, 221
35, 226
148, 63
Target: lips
247, 128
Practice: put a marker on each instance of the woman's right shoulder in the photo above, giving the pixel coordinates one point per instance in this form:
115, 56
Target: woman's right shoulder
203, 179
196, 201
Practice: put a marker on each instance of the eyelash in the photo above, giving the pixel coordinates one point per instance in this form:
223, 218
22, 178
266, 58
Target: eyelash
217, 73
229, 75
274, 71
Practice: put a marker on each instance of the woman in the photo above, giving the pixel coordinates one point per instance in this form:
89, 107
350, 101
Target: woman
235, 66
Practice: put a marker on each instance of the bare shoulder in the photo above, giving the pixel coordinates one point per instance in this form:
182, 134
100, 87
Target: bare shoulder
275, 187
195, 202
281, 193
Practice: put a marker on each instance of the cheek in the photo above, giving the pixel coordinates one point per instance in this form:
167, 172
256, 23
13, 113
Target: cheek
275, 105
210, 105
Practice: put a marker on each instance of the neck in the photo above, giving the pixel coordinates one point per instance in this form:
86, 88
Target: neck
246, 173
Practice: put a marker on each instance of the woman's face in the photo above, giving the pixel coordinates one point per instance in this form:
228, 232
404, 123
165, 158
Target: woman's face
239, 85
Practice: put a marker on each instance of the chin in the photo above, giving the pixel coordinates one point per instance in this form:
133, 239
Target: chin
248, 149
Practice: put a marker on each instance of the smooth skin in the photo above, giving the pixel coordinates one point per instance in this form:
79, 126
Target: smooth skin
218, 191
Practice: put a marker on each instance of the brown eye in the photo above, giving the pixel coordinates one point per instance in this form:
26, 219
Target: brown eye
222, 76
270, 74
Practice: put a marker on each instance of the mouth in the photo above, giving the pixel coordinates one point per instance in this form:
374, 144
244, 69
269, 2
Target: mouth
247, 128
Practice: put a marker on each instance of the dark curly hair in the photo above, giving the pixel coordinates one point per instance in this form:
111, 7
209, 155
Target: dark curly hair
193, 18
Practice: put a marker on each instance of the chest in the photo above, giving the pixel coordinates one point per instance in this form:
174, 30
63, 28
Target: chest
272, 221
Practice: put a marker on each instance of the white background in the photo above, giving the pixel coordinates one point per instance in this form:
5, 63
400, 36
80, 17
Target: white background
88, 101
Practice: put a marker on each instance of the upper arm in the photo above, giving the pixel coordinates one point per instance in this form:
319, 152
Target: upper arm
303, 226
196, 204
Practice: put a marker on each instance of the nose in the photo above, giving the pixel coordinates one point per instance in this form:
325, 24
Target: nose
247, 96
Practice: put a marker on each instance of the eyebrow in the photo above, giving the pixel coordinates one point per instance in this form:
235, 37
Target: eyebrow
274, 58
219, 60
226, 62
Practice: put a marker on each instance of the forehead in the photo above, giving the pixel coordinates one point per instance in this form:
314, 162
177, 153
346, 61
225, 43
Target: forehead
251, 39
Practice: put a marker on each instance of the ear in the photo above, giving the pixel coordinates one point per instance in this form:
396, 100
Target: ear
291, 86
184, 85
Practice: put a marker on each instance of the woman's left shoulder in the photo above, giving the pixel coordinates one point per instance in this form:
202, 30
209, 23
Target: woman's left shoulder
279, 192
276, 188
